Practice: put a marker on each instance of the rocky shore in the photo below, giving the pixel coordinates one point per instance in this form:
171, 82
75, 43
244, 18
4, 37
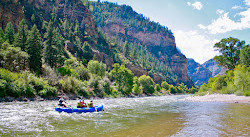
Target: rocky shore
219, 98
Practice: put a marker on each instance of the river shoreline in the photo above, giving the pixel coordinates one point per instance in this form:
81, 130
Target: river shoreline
227, 98
66, 97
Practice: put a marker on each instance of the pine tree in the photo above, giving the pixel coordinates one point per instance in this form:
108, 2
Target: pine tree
53, 52
9, 33
1, 36
22, 35
87, 52
50, 50
33, 19
34, 49
126, 49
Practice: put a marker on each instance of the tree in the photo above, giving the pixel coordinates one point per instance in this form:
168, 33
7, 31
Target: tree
87, 52
126, 49
230, 51
97, 68
165, 85
123, 78
9, 33
21, 38
245, 56
1, 36
33, 19
34, 49
13, 58
53, 51
147, 84
136, 87
242, 78
157, 87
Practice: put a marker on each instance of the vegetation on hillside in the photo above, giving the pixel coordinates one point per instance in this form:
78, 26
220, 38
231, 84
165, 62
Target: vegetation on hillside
32, 65
235, 57
133, 50
48, 55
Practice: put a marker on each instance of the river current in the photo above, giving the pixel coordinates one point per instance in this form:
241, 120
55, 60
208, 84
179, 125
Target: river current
143, 117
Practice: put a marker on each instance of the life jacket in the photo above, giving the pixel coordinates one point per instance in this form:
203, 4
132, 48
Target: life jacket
79, 104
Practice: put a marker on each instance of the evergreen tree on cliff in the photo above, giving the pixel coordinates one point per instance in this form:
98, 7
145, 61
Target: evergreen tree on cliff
34, 49
21, 38
1, 36
9, 33
53, 52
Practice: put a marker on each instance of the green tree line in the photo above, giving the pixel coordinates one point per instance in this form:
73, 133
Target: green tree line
235, 55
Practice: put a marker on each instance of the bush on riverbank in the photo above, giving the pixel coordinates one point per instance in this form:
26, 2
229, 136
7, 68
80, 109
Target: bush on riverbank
236, 81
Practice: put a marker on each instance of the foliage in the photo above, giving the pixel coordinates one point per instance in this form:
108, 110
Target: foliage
34, 49
97, 68
230, 51
165, 85
53, 51
9, 33
21, 37
137, 89
12, 58
245, 56
147, 84
157, 87
123, 78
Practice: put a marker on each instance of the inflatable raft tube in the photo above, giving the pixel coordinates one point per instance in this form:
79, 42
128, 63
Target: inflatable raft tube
79, 110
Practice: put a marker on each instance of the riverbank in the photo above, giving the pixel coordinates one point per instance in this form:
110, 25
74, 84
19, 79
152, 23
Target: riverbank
228, 98
66, 97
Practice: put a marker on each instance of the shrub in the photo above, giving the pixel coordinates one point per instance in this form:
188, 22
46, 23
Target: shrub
239, 93
200, 93
157, 87
69, 84
29, 91
3, 84
247, 93
48, 91
147, 83
172, 89
165, 85
106, 85
83, 91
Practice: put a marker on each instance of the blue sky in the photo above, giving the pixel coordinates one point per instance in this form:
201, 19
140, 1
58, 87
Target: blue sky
198, 24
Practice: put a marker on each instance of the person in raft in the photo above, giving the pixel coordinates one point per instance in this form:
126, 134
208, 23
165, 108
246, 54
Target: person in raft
83, 103
62, 102
79, 104
91, 104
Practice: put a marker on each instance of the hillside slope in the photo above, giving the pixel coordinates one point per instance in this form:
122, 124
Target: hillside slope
214, 68
198, 73
122, 22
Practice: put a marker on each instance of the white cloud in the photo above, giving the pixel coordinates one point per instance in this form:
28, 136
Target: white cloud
247, 2
224, 24
197, 5
219, 11
237, 7
195, 45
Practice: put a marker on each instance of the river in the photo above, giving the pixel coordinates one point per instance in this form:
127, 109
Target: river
145, 117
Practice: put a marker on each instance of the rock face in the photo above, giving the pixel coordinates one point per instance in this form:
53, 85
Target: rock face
161, 45
214, 68
198, 73
202, 73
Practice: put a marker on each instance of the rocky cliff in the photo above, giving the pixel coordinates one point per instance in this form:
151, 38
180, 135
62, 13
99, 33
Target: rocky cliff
123, 23
214, 68
202, 73
198, 73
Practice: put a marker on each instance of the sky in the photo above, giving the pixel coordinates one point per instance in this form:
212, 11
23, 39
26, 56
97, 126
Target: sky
197, 24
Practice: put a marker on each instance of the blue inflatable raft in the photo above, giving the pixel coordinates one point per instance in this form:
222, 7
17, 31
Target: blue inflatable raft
79, 110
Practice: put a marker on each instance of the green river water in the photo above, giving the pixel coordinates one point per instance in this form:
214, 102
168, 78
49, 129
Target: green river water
143, 117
